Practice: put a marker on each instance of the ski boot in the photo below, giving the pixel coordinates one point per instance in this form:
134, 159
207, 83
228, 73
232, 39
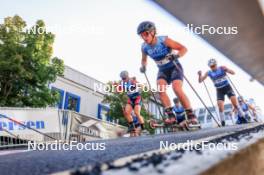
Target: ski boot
143, 131
131, 129
247, 117
192, 121
171, 118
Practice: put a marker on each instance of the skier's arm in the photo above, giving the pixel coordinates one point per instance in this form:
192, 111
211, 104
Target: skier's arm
176, 46
144, 59
228, 70
202, 77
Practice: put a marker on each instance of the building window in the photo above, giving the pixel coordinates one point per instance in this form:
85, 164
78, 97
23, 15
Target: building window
202, 111
72, 102
201, 119
103, 112
211, 109
61, 96
209, 118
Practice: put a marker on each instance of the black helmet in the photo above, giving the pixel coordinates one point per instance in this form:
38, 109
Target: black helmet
176, 100
145, 26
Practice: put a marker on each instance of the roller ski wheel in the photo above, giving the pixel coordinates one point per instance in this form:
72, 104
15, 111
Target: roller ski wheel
126, 134
184, 125
155, 123
193, 124
160, 124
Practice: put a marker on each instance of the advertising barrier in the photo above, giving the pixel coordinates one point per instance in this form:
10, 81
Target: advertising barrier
38, 124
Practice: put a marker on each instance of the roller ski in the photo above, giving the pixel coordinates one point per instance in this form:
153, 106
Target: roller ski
169, 121
192, 121
156, 123
191, 124
186, 122
132, 131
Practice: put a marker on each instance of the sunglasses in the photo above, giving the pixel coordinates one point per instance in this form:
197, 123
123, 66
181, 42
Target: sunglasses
145, 34
213, 66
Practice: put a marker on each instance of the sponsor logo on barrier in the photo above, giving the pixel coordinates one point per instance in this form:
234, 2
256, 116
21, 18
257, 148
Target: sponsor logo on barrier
12, 125
88, 131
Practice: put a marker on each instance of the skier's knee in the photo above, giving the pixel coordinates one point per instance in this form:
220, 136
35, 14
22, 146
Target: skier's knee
137, 113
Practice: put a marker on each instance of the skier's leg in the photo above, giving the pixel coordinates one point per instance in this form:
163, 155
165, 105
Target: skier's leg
220, 95
238, 109
137, 110
220, 104
162, 88
129, 118
177, 88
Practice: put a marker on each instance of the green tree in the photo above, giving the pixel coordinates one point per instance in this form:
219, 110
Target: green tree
26, 64
117, 101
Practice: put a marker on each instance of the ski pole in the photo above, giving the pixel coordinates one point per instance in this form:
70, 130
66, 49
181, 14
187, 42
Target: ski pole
196, 93
211, 100
233, 85
155, 99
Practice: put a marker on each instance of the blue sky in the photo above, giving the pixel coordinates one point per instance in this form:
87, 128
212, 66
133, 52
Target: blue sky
98, 38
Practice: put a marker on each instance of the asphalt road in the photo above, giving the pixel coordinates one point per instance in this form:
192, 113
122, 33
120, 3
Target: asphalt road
45, 162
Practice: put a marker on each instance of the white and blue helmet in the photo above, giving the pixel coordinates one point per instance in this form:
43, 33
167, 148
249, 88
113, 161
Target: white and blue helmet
212, 62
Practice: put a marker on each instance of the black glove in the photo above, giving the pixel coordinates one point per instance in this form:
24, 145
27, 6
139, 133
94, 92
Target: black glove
142, 69
174, 57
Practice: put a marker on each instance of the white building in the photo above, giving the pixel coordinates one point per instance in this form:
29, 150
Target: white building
206, 119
